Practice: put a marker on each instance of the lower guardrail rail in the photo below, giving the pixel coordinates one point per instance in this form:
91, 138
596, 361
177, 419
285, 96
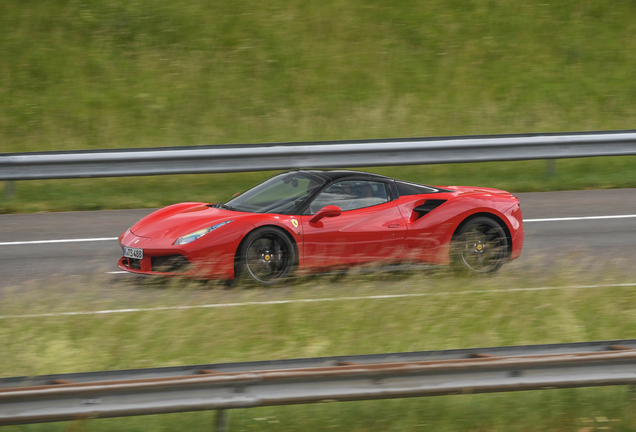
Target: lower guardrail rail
25, 400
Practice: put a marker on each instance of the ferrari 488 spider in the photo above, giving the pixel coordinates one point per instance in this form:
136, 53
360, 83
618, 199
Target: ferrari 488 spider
317, 221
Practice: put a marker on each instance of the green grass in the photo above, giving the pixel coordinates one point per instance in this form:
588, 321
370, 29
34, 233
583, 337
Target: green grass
447, 317
113, 73
146, 73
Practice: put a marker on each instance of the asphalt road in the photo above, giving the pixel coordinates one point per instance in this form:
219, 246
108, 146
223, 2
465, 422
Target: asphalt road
20, 263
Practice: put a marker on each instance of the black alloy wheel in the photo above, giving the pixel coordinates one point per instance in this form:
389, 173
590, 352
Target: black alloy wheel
480, 246
267, 256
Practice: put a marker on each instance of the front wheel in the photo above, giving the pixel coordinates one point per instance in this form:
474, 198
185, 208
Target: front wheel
266, 256
480, 246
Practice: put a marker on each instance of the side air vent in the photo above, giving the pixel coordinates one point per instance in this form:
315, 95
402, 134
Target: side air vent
428, 206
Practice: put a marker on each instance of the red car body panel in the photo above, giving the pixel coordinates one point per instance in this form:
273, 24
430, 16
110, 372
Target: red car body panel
157, 232
388, 232
355, 237
428, 238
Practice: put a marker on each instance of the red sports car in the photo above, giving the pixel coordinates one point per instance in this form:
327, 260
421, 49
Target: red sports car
317, 221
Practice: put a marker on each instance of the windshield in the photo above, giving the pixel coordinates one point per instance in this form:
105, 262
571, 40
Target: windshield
282, 194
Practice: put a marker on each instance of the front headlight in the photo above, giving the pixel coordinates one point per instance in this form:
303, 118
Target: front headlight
198, 234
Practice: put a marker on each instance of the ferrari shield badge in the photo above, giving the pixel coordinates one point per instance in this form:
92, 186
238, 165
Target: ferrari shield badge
294, 223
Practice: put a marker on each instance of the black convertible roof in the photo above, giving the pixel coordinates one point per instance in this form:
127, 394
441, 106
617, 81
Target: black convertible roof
404, 187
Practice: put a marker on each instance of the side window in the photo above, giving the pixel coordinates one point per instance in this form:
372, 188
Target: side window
351, 195
405, 188
282, 190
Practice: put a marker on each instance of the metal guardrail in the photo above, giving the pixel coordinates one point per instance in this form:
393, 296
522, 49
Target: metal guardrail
259, 157
352, 378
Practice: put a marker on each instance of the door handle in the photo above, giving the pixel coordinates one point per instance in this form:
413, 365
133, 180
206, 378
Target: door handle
394, 225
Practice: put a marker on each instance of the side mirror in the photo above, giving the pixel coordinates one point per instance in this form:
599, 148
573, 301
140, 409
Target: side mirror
326, 211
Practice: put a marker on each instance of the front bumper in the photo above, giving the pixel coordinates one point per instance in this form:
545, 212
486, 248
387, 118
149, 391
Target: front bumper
168, 265
162, 258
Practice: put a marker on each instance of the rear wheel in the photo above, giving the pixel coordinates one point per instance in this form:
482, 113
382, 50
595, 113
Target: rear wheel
266, 256
480, 246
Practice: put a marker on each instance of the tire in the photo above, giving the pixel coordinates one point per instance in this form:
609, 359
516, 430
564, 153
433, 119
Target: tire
479, 247
266, 256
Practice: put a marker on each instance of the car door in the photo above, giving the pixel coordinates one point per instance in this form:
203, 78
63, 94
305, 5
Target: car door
369, 229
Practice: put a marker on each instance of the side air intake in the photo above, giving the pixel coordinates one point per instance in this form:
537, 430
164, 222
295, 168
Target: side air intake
428, 206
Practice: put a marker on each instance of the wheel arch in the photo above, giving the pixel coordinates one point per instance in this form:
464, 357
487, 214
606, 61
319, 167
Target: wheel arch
492, 216
277, 228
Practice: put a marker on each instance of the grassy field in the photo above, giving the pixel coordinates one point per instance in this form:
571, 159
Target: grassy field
112, 73
446, 313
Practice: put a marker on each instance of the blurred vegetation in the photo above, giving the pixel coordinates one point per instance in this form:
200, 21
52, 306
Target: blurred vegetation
445, 313
112, 73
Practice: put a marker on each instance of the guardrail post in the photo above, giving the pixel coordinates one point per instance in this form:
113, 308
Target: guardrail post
222, 421
9, 190
550, 167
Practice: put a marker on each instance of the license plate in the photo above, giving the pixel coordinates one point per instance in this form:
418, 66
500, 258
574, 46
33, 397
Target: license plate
133, 253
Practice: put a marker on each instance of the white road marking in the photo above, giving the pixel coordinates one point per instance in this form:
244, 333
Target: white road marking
579, 218
115, 238
317, 300
58, 241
